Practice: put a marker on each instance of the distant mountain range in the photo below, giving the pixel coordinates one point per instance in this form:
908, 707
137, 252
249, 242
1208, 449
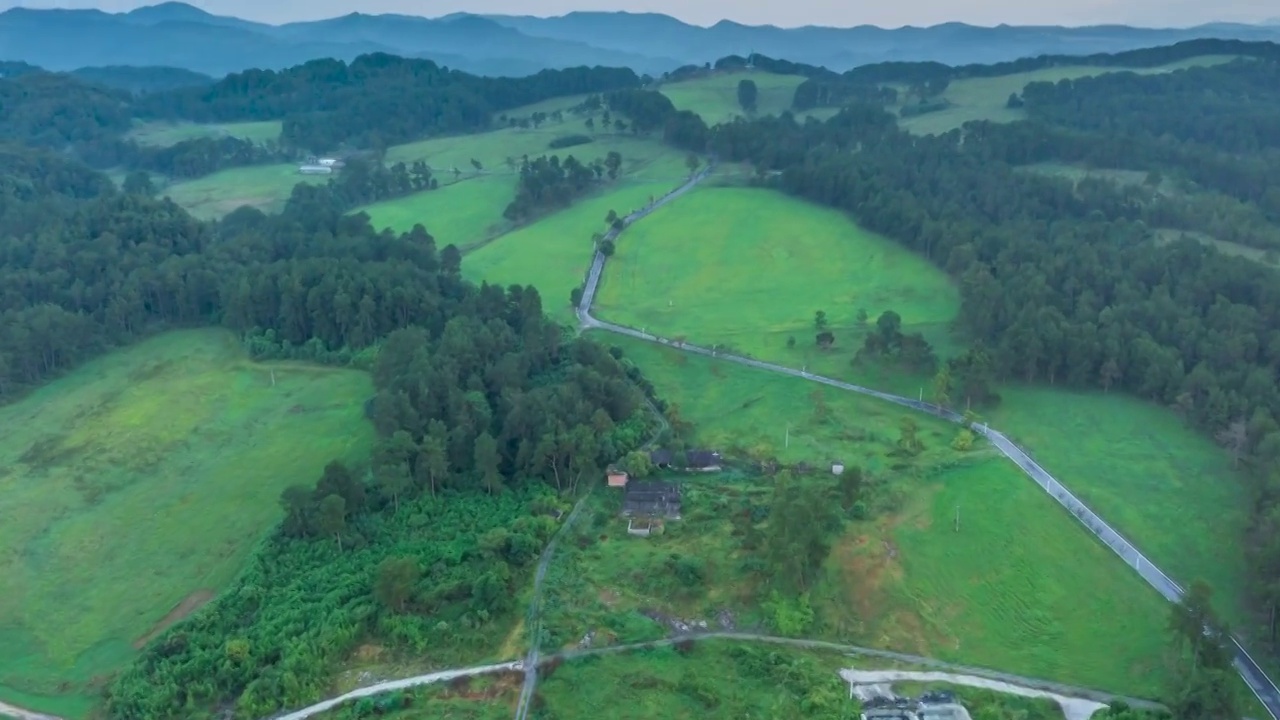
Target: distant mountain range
177, 35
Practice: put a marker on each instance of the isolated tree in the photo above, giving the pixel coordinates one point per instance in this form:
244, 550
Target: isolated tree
575, 297
850, 486
476, 164
820, 321
791, 342
590, 124
333, 517
1235, 438
825, 339
1014, 102
620, 125
486, 462
396, 577
942, 387
613, 163
611, 217
748, 94
607, 248
693, 163
909, 437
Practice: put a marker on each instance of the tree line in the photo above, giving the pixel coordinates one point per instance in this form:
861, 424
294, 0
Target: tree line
547, 184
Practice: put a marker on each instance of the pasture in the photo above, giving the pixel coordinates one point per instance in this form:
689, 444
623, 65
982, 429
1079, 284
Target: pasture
265, 187
715, 96
748, 269
1018, 587
132, 491
1166, 487
164, 134
985, 98
553, 254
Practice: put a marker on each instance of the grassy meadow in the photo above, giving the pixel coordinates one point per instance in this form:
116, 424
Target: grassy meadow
715, 96
1019, 587
985, 98
748, 268
553, 254
132, 490
265, 187
164, 134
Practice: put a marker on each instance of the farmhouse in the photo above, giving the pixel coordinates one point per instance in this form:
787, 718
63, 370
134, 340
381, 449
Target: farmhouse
617, 478
651, 498
695, 460
316, 169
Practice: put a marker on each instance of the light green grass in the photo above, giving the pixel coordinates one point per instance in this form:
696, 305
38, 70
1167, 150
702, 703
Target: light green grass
746, 412
1019, 588
164, 134
141, 479
265, 187
986, 98
464, 214
1166, 487
715, 97
553, 254
748, 268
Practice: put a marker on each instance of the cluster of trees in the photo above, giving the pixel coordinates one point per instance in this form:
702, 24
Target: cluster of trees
546, 183
374, 101
650, 110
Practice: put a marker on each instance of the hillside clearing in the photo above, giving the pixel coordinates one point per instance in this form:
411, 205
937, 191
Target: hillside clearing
715, 97
164, 134
142, 480
553, 253
749, 268
985, 98
265, 187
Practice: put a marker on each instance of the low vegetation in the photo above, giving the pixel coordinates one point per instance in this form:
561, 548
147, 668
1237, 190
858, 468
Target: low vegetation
715, 96
987, 98
484, 697
143, 481
747, 269
170, 133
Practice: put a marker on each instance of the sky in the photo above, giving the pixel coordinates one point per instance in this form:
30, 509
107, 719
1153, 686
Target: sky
793, 13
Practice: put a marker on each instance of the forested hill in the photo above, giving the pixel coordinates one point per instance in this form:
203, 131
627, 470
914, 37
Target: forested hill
374, 101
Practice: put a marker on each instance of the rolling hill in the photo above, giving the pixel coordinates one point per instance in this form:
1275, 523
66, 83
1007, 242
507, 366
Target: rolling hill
175, 34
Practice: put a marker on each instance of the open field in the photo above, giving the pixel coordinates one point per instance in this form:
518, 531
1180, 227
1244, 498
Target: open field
265, 187
985, 98
469, 213
1019, 587
133, 490
553, 254
166, 133
1169, 489
715, 97
748, 268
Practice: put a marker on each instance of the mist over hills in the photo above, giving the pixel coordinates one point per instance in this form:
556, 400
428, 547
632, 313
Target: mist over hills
178, 35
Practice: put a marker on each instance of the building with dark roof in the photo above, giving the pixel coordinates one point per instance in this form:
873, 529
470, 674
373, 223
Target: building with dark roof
651, 498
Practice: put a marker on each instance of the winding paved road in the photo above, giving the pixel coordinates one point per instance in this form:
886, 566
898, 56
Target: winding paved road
1254, 676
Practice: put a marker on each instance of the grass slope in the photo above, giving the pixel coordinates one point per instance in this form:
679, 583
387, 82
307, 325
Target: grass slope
1021, 587
715, 97
748, 268
265, 187
164, 134
553, 254
985, 98
138, 485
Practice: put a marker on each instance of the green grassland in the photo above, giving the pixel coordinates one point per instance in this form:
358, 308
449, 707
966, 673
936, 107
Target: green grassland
715, 97
1018, 587
748, 268
469, 212
265, 187
137, 486
554, 253
985, 98
164, 134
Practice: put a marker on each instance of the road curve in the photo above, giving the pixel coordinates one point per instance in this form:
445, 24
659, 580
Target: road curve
1254, 676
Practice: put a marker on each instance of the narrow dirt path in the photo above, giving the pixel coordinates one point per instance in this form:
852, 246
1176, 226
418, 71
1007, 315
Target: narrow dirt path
11, 711
1073, 708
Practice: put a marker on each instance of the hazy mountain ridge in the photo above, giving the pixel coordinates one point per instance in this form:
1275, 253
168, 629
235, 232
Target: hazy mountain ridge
177, 35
